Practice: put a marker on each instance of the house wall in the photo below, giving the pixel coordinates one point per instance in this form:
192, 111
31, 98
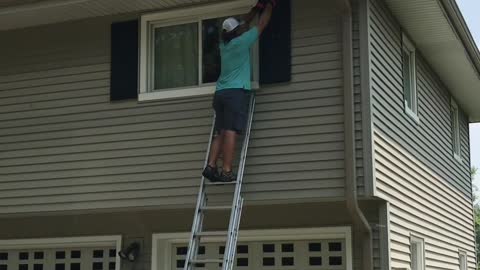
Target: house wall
430, 192
65, 146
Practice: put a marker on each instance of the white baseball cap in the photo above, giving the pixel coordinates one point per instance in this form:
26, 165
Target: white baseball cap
230, 24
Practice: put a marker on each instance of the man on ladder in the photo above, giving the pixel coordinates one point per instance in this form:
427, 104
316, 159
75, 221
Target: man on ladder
233, 87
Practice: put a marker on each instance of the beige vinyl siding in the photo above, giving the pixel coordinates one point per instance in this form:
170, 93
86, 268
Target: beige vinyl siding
64, 146
428, 190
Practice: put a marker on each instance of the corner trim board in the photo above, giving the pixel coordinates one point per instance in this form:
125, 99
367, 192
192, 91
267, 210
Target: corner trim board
366, 96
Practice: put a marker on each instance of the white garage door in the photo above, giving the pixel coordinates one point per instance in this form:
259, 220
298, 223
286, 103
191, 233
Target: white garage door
98, 258
316, 254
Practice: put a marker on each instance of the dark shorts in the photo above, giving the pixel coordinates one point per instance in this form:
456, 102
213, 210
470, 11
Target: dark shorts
231, 109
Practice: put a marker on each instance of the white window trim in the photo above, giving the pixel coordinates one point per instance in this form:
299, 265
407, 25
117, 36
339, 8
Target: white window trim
408, 46
456, 132
460, 254
411, 114
164, 241
178, 16
69, 242
418, 240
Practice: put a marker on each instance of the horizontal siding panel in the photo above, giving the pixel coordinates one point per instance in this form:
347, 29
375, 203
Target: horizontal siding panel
56, 104
153, 189
56, 80
71, 144
168, 178
66, 147
298, 87
29, 76
175, 201
169, 168
161, 159
429, 192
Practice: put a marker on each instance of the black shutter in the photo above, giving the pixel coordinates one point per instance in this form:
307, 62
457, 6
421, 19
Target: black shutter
275, 46
124, 60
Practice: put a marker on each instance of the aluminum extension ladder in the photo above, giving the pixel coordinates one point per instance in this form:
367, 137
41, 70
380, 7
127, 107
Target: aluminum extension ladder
236, 209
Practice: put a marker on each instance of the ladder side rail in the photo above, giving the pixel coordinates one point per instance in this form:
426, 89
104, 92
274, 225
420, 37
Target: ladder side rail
197, 223
233, 252
231, 245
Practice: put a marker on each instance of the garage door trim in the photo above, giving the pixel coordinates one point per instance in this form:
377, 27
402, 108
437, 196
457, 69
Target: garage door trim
162, 242
64, 242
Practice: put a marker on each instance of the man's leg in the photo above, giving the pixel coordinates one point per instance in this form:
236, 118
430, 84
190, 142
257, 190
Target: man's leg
216, 149
229, 139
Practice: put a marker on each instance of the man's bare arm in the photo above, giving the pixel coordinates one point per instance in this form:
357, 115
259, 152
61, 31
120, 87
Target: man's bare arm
248, 18
265, 18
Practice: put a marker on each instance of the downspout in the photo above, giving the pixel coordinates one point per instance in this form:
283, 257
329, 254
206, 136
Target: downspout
362, 229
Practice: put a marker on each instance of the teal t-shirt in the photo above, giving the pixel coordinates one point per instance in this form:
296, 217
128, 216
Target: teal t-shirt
235, 61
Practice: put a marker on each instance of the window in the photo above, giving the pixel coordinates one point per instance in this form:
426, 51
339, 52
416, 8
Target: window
462, 260
409, 79
456, 144
417, 253
180, 50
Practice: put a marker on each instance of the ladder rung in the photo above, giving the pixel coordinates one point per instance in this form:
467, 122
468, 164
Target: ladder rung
220, 183
219, 207
212, 233
207, 261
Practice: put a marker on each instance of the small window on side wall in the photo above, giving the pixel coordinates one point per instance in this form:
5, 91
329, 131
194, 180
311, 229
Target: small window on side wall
456, 144
410, 95
462, 260
417, 253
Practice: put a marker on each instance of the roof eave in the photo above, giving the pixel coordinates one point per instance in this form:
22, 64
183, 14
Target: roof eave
459, 24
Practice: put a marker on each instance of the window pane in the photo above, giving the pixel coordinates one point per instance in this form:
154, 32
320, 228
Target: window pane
23, 255
38, 255
463, 262
176, 56
454, 137
211, 37
98, 253
455, 130
407, 87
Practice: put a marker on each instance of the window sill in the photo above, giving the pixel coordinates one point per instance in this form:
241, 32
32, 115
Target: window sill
412, 115
170, 94
182, 93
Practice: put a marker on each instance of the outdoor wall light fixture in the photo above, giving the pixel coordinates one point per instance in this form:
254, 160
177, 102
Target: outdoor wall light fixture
131, 252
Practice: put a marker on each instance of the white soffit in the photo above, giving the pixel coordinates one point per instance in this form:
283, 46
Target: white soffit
42, 12
427, 23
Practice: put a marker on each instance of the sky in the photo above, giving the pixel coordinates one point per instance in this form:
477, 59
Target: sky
470, 10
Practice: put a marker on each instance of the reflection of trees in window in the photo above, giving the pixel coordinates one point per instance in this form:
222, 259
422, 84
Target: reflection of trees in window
176, 56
